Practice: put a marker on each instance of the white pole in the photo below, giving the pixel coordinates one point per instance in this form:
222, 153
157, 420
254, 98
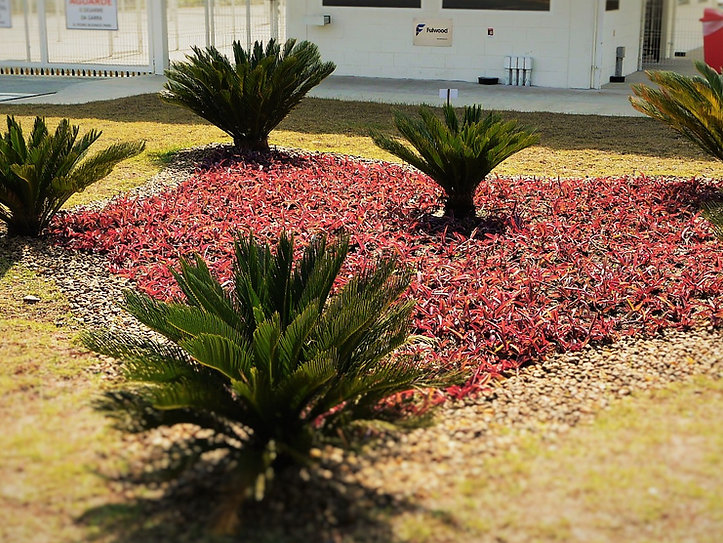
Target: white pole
58, 22
207, 15
139, 26
233, 20
26, 16
597, 44
274, 18
212, 27
248, 25
158, 35
43, 31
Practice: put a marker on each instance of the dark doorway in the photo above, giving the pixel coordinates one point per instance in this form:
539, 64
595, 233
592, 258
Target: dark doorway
653, 31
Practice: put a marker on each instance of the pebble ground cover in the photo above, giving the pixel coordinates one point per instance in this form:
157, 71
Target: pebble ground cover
552, 264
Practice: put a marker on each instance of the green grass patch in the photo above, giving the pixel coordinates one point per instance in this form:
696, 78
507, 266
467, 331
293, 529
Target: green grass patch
52, 443
649, 469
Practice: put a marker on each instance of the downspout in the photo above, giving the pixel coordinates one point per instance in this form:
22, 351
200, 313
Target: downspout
597, 48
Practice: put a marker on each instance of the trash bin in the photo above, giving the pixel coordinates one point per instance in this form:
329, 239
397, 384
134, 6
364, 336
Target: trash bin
713, 38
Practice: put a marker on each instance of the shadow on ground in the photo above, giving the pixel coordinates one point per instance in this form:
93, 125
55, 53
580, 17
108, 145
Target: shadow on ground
11, 251
312, 509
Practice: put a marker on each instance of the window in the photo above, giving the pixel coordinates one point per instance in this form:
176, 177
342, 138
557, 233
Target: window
612, 5
516, 5
375, 3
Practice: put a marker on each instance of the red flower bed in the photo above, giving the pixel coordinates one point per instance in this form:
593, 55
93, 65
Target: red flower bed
555, 265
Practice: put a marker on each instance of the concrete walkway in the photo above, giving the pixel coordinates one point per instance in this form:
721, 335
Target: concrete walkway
612, 99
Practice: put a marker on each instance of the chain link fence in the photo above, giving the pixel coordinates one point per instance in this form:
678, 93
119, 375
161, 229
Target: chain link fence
39, 42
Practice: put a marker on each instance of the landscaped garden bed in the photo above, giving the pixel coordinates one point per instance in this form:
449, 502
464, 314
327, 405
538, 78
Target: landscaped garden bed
267, 374
550, 264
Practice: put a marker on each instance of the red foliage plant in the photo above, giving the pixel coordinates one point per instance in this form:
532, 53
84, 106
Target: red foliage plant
556, 265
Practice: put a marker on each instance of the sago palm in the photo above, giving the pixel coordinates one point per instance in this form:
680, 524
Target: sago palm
248, 98
456, 154
38, 176
271, 367
692, 106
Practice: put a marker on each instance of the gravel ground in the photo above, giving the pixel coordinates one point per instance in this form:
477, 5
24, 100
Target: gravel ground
546, 400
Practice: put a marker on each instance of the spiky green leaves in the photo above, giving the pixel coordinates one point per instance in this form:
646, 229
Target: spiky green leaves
38, 176
692, 106
249, 97
277, 362
456, 154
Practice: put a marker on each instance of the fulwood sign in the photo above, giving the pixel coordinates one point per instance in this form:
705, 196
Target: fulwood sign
433, 32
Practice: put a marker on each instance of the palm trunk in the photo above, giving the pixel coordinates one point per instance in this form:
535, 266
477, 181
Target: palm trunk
29, 227
248, 144
459, 206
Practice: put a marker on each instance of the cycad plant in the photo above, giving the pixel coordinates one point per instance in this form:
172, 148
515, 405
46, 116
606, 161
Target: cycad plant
248, 98
38, 176
272, 367
713, 211
456, 154
692, 106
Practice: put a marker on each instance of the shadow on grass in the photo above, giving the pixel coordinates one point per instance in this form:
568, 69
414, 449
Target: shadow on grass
316, 509
10, 251
621, 135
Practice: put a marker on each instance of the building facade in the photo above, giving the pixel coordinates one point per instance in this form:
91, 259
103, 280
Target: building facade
570, 43
548, 43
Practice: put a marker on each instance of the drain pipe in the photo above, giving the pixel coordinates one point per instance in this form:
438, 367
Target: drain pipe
619, 56
519, 71
527, 72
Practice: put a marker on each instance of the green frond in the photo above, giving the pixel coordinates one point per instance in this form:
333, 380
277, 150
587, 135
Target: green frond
456, 155
692, 106
220, 353
713, 211
145, 360
249, 97
275, 364
39, 175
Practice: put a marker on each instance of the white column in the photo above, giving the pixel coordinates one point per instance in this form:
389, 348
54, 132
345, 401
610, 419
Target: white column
158, 35
597, 44
274, 18
43, 31
248, 25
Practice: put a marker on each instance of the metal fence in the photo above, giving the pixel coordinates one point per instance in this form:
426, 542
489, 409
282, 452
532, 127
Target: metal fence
672, 32
39, 42
224, 21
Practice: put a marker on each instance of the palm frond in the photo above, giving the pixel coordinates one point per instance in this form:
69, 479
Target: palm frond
457, 155
39, 175
276, 364
692, 106
249, 97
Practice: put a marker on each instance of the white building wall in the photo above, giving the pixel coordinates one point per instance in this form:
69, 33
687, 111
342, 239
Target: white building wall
377, 42
622, 27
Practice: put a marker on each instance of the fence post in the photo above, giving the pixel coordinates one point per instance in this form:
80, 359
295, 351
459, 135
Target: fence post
248, 25
274, 18
158, 35
43, 31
